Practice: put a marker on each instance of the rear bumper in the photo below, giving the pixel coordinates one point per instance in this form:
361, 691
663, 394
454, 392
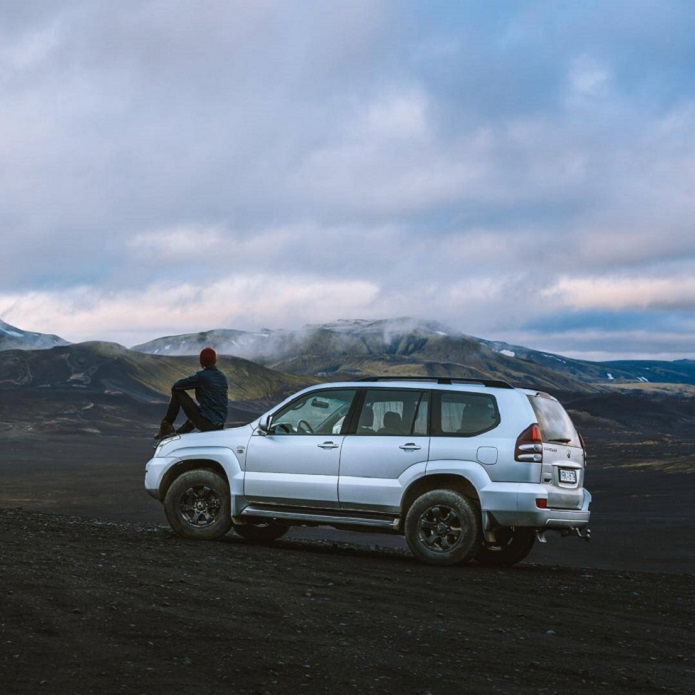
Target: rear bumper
513, 504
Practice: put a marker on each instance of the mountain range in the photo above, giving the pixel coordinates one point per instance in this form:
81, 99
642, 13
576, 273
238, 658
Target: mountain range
331, 351
106, 388
350, 349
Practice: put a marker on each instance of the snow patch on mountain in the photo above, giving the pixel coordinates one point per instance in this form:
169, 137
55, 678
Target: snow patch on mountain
13, 338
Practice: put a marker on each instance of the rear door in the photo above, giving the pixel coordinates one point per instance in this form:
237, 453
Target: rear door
387, 446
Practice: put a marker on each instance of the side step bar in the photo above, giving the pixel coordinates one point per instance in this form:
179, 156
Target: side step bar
321, 518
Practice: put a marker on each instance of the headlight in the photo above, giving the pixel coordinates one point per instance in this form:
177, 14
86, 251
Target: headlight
160, 446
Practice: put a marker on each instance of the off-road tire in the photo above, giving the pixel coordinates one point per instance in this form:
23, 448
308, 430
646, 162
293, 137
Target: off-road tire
512, 545
261, 532
197, 505
442, 527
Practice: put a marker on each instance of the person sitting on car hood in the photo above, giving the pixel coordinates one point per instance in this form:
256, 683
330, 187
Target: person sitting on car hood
210, 410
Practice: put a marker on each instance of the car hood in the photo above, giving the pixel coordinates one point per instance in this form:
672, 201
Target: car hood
226, 438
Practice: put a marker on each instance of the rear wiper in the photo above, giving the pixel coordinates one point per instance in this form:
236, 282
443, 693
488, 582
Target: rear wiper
566, 440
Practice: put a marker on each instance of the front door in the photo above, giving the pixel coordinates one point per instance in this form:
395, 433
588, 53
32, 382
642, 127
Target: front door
297, 462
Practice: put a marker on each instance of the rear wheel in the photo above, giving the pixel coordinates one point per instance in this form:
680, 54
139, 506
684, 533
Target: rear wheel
511, 545
262, 532
197, 505
442, 527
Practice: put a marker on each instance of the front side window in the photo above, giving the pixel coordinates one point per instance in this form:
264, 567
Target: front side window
319, 412
394, 412
465, 414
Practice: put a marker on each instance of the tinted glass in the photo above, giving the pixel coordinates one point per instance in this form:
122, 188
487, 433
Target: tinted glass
466, 414
320, 412
394, 412
555, 423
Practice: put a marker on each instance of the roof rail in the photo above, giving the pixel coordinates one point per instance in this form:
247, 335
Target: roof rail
493, 383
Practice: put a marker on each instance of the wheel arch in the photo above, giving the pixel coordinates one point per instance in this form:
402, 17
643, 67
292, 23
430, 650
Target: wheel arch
188, 465
444, 481
219, 459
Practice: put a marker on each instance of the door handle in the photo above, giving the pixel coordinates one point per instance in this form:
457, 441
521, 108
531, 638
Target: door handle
410, 447
328, 445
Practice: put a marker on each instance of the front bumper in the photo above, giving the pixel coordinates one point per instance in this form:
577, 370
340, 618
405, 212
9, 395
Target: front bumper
154, 472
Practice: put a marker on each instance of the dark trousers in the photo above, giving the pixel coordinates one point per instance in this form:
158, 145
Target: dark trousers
180, 400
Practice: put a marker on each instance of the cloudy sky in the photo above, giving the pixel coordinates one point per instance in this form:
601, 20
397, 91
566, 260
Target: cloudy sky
521, 171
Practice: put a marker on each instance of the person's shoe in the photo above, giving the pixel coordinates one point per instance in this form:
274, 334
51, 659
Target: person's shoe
166, 429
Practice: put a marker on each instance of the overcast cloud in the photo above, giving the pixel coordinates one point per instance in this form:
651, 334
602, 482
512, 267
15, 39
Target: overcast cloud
520, 171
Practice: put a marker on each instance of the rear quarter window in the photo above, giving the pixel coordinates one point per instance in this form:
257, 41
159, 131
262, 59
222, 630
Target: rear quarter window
556, 425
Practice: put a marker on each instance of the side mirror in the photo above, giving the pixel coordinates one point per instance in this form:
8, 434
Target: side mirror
264, 424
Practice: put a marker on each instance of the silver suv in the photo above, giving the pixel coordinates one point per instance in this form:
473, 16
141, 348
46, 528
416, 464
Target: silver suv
464, 469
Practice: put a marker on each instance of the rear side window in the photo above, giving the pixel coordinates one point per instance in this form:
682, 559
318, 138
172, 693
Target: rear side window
555, 423
464, 414
394, 412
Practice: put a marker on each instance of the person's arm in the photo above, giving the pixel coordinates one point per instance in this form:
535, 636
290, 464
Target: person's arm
187, 383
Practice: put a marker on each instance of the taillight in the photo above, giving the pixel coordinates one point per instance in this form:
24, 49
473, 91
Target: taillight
582, 442
529, 445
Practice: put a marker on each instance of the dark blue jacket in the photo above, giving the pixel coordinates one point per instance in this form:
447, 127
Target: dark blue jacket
210, 386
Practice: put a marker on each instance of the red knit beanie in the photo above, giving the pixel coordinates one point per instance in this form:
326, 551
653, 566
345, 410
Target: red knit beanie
208, 357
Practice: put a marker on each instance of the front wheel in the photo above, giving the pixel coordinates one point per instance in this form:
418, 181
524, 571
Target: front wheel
197, 505
261, 532
511, 545
442, 527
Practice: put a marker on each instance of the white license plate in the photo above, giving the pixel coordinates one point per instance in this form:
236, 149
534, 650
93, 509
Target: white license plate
568, 475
